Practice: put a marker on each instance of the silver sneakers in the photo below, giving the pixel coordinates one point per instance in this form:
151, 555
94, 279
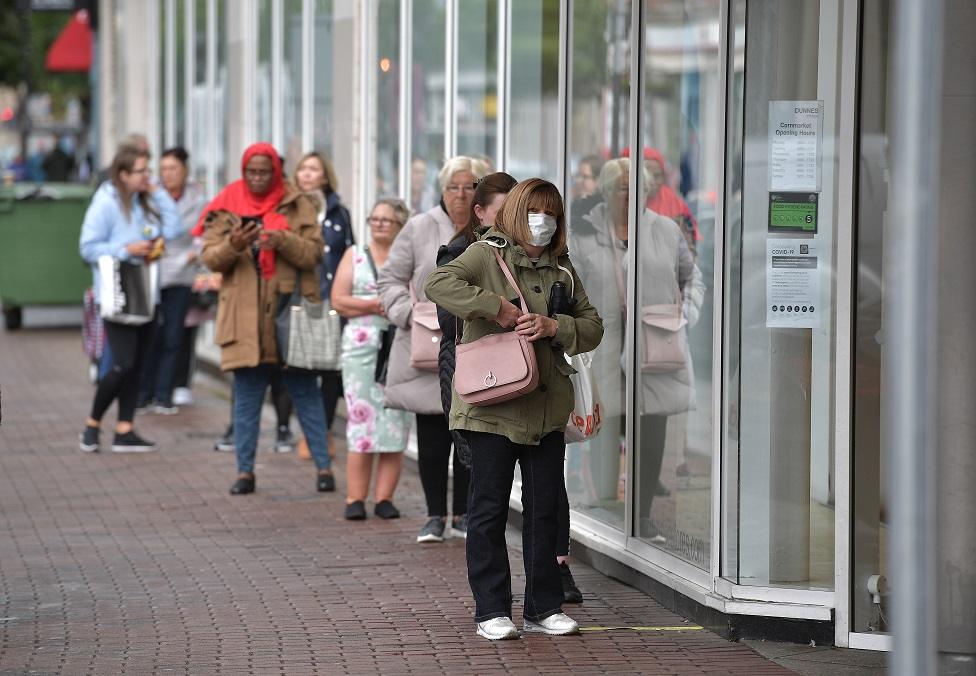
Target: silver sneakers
498, 629
559, 624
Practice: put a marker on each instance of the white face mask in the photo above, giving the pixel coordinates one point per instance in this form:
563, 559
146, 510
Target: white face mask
542, 227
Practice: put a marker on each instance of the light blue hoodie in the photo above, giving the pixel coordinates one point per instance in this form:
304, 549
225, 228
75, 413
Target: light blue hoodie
106, 231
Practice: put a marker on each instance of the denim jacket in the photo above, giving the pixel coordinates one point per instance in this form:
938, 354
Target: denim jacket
106, 231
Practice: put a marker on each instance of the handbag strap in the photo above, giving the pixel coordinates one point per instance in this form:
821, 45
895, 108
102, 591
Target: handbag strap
511, 279
372, 263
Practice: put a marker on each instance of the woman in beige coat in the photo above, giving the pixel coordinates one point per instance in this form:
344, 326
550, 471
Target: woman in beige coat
401, 284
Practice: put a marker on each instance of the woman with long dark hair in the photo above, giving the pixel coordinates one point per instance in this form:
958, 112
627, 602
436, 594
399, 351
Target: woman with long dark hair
125, 220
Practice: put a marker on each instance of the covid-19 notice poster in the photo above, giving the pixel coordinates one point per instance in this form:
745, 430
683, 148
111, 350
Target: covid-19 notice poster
792, 283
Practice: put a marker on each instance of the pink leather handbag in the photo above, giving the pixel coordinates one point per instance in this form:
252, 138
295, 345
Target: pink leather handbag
425, 336
499, 366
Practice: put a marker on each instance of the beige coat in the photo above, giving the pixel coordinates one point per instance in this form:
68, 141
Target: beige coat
412, 257
248, 303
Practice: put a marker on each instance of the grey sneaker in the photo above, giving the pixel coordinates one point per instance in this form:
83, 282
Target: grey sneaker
88, 440
225, 444
459, 526
649, 532
285, 441
498, 629
165, 409
559, 624
433, 531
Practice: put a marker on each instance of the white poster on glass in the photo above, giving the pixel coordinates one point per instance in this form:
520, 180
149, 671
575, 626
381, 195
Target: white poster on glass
792, 284
795, 131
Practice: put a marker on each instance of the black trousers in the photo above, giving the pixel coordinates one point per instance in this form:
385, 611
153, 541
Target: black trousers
129, 345
331, 393
434, 445
493, 459
653, 433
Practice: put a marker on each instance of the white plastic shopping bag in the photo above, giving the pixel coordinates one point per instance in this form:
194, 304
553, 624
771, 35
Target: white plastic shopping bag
587, 417
127, 291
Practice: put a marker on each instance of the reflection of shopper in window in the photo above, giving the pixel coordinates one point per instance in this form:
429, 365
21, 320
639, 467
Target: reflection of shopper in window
667, 275
663, 200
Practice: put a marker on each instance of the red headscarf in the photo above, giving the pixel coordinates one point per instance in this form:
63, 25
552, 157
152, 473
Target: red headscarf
667, 202
238, 199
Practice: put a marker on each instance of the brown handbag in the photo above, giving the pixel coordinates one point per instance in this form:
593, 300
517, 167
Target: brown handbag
497, 367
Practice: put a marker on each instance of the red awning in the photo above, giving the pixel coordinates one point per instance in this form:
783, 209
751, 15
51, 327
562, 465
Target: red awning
71, 52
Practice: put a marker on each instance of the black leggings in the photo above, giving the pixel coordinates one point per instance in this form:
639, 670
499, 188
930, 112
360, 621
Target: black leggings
433, 450
331, 393
129, 347
653, 434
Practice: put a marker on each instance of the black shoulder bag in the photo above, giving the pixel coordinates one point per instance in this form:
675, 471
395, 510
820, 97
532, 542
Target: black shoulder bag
386, 336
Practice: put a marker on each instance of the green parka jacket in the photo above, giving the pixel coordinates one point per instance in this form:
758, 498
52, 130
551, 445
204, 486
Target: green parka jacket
471, 287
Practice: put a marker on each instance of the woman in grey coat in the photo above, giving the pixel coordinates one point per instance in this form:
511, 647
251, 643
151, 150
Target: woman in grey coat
401, 284
667, 276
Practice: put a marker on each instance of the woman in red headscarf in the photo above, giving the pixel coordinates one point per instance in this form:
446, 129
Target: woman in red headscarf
663, 200
262, 235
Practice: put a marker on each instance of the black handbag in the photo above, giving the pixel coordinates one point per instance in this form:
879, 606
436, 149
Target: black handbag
386, 335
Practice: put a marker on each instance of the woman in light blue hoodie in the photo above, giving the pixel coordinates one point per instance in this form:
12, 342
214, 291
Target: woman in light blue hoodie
124, 219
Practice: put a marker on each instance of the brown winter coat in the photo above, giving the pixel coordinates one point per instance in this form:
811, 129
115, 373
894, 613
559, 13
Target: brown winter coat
248, 303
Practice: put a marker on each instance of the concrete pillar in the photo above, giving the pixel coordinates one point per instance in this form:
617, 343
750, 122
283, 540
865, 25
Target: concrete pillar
956, 346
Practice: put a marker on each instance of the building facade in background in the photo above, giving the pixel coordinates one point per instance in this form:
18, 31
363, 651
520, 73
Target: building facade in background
763, 126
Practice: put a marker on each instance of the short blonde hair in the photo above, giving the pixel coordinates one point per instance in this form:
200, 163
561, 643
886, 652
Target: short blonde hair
400, 209
533, 194
461, 163
327, 169
611, 173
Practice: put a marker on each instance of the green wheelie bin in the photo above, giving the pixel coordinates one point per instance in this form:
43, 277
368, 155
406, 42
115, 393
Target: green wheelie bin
39, 261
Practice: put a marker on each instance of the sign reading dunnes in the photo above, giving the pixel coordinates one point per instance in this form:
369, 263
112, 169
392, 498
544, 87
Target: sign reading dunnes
795, 133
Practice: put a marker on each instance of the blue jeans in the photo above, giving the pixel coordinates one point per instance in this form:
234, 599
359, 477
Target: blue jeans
250, 385
493, 459
159, 371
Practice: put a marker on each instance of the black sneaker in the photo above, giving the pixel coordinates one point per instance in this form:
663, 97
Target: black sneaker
325, 483
459, 526
433, 530
571, 593
386, 510
130, 442
356, 511
285, 442
88, 440
243, 485
225, 444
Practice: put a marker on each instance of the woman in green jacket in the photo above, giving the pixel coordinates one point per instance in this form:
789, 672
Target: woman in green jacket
530, 235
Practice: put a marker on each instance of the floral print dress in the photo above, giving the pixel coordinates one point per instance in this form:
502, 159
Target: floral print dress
370, 427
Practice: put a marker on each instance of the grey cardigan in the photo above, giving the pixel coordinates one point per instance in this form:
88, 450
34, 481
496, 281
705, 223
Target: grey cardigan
412, 258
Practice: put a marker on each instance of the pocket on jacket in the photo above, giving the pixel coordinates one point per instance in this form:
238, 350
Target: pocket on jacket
226, 331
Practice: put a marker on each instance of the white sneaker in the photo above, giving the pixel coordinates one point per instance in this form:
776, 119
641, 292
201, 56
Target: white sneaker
182, 396
163, 409
498, 629
559, 624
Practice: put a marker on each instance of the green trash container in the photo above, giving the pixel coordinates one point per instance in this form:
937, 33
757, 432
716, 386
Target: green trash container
39, 261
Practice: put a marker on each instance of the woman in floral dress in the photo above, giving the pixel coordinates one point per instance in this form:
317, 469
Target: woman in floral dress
371, 429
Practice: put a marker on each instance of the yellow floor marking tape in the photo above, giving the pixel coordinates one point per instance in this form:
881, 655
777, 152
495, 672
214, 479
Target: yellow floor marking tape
686, 627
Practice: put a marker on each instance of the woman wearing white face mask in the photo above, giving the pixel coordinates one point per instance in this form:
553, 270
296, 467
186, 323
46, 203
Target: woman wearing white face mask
530, 237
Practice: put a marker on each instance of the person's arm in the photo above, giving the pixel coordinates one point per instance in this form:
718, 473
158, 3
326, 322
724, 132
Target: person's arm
394, 279
218, 252
583, 330
171, 225
454, 286
341, 298
96, 231
302, 249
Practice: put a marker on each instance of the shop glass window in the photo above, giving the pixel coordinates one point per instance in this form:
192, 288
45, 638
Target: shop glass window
291, 85
781, 203
385, 99
477, 79
323, 122
199, 103
219, 114
427, 106
675, 264
533, 105
263, 76
599, 122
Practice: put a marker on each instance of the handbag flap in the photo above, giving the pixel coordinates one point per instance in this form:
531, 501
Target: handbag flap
492, 361
427, 321
668, 317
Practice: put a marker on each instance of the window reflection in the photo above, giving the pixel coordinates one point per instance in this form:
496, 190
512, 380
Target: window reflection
385, 101
291, 85
477, 79
427, 114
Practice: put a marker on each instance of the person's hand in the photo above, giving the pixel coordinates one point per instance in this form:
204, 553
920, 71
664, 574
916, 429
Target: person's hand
507, 315
140, 248
191, 256
535, 327
272, 239
378, 308
242, 234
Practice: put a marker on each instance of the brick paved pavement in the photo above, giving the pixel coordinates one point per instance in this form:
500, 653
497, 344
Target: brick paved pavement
144, 564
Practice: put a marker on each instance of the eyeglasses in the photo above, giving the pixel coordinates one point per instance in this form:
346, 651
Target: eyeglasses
145, 171
467, 189
387, 222
258, 173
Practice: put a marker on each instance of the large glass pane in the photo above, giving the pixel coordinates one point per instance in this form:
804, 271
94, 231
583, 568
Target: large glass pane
675, 259
263, 77
385, 99
599, 120
220, 112
323, 128
533, 90
291, 85
781, 229
870, 490
199, 104
477, 78
427, 113
179, 106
